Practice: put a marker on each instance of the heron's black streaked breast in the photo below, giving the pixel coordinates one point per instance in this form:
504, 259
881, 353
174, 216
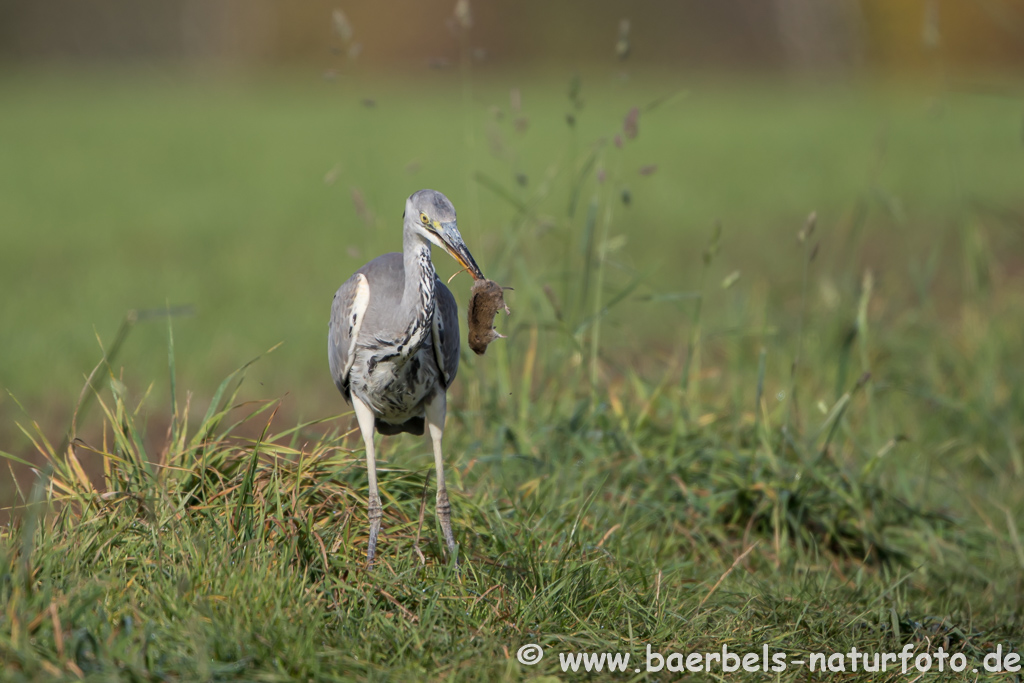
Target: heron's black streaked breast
396, 385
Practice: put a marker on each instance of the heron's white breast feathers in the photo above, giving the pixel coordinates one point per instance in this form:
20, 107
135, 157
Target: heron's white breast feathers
356, 313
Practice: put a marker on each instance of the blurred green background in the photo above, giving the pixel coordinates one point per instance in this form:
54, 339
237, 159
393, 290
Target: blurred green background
241, 159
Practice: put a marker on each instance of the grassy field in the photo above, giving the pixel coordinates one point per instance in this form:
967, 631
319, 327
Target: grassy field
782, 432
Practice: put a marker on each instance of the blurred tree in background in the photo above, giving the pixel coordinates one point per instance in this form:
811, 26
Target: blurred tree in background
797, 35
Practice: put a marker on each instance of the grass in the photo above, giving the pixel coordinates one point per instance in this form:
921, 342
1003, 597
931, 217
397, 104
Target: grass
151, 189
823, 452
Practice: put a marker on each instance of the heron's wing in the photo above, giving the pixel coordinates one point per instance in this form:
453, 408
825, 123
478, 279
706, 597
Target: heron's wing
446, 332
347, 312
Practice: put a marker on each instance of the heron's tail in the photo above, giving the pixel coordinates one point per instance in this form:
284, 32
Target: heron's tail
413, 425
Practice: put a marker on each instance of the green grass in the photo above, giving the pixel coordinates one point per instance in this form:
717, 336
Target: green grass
825, 453
137, 191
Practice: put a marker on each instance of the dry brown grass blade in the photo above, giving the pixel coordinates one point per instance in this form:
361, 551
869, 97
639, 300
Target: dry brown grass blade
725, 574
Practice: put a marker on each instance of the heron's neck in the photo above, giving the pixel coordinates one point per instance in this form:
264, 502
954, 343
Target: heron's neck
418, 295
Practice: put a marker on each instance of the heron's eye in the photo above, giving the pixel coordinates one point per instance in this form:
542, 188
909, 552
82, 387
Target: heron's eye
423, 217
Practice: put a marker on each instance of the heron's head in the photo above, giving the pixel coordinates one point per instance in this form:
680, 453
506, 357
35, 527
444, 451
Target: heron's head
430, 214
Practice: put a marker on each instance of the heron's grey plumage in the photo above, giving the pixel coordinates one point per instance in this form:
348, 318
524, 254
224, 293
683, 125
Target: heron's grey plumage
393, 340
383, 343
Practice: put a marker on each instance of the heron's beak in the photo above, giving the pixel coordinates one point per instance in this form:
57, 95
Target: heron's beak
456, 248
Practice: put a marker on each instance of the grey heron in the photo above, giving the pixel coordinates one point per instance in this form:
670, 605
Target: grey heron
393, 343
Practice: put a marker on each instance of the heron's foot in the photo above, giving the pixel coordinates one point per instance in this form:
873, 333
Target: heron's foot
375, 514
444, 515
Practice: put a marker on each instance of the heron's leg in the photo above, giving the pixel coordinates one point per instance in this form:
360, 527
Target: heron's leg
364, 416
435, 410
